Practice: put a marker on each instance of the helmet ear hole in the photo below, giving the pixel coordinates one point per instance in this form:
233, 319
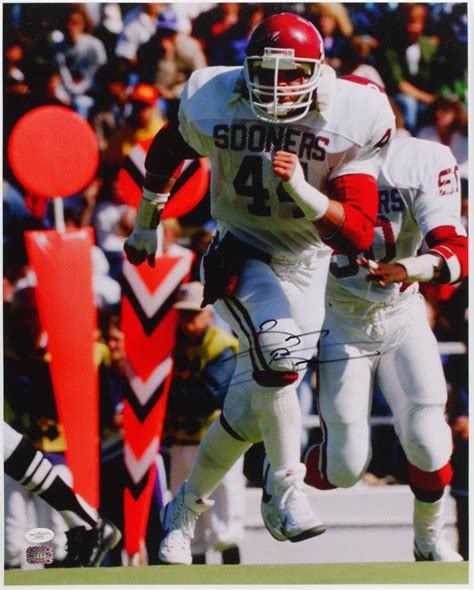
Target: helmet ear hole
281, 47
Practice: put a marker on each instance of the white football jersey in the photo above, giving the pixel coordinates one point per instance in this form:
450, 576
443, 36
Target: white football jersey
419, 190
246, 197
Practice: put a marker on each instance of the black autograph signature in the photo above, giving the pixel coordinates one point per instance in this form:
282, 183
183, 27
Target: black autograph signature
290, 349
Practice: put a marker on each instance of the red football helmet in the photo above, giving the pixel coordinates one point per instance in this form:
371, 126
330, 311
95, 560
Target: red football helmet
282, 67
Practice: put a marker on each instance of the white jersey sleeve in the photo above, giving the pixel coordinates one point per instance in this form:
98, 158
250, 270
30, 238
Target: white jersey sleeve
201, 97
363, 112
439, 200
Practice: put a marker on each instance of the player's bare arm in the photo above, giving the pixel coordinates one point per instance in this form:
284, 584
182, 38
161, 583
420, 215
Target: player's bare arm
349, 226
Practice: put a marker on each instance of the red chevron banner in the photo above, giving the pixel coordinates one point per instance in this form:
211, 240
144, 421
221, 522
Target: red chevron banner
63, 266
149, 325
188, 191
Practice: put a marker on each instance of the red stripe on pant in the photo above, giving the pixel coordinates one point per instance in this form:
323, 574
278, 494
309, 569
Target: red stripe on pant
430, 480
314, 477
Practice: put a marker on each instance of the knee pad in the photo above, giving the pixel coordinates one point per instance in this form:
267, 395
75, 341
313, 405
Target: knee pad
347, 452
426, 438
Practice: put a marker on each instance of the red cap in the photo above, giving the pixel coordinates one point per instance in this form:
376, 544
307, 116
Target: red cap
144, 93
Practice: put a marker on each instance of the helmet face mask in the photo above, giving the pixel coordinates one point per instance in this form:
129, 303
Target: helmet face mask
276, 78
282, 68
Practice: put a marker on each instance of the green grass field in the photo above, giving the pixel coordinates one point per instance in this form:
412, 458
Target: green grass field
337, 573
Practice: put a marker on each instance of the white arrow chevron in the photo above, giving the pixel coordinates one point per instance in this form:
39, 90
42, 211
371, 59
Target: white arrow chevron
137, 155
151, 302
143, 390
138, 467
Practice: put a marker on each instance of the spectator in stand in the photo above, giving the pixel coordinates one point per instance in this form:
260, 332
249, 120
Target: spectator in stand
109, 26
408, 61
205, 358
139, 25
143, 122
17, 219
449, 24
333, 22
449, 127
458, 411
113, 219
78, 55
13, 58
108, 113
224, 31
186, 13
167, 60
355, 60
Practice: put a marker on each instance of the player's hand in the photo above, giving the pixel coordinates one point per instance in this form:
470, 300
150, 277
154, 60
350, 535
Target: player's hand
383, 273
285, 165
141, 245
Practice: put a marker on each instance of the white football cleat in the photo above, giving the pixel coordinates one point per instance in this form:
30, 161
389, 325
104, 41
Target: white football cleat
428, 524
178, 519
285, 508
439, 550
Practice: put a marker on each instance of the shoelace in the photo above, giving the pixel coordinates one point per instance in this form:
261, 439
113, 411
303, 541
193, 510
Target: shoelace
295, 500
183, 518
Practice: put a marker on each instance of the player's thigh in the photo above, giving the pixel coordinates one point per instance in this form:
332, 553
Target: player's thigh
412, 380
412, 370
345, 383
345, 373
262, 315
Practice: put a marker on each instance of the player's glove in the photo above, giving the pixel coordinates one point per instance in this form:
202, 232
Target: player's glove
142, 243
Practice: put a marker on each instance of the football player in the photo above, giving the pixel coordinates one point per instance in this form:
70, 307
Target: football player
89, 536
378, 332
292, 176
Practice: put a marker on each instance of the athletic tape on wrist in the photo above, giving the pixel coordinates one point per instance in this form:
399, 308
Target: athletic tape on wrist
150, 208
311, 201
420, 268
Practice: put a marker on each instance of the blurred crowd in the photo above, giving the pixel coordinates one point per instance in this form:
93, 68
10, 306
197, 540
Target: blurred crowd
122, 68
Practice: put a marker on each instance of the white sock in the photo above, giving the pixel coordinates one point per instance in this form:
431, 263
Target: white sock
279, 417
428, 521
218, 452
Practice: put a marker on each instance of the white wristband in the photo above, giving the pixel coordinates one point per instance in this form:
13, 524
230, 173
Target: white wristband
420, 268
150, 208
311, 201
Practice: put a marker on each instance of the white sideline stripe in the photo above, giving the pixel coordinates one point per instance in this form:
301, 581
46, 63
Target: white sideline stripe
143, 390
138, 467
151, 302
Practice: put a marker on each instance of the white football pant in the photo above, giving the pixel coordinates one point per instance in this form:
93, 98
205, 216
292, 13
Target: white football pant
276, 311
394, 347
